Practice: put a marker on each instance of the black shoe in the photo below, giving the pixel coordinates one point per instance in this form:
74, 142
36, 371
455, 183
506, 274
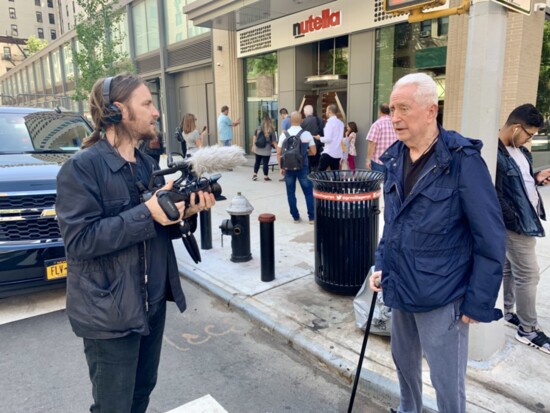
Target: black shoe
393, 411
512, 320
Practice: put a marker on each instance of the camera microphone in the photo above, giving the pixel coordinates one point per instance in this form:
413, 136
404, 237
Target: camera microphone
216, 158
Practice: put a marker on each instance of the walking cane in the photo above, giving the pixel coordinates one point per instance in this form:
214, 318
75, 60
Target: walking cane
363, 347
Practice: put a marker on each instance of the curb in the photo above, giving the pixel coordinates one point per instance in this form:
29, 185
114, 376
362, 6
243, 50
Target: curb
378, 388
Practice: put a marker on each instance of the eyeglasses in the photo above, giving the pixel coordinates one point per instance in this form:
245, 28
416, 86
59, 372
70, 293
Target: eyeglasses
530, 135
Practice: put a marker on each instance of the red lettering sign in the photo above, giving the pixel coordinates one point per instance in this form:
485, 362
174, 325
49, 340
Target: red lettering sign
315, 23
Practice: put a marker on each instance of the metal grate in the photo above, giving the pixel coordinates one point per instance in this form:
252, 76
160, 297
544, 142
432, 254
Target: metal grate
190, 53
30, 230
29, 201
149, 64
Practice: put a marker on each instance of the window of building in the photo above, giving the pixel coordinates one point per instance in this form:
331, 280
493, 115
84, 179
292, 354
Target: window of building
74, 9
37, 3
404, 49
40, 33
261, 91
39, 17
47, 72
53, 34
12, 13
7, 53
443, 26
51, 18
68, 26
68, 61
50, 4
146, 33
177, 27
14, 31
67, 9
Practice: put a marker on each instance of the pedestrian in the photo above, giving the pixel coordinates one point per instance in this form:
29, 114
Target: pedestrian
522, 210
285, 119
307, 148
380, 137
263, 141
193, 139
225, 125
350, 136
314, 125
121, 263
333, 135
440, 257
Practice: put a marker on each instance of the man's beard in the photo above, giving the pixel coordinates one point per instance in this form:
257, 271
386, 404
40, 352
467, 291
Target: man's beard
139, 136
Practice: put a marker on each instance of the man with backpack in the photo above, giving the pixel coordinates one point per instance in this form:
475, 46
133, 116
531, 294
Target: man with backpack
295, 144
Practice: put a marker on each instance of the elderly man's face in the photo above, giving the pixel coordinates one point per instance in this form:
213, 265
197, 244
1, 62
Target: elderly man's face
410, 119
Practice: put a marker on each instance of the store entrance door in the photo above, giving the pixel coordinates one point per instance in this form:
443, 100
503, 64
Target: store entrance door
322, 99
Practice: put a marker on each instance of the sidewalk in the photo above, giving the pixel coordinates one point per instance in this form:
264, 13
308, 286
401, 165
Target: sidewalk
321, 325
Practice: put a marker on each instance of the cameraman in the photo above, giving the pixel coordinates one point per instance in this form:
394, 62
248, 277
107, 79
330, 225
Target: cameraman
121, 263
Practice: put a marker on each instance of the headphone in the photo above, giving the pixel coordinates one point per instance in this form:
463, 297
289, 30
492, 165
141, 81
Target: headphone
112, 114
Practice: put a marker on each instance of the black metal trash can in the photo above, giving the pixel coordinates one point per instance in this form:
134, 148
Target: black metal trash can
346, 227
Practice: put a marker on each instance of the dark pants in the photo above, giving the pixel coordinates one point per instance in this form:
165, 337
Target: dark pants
264, 160
123, 370
328, 161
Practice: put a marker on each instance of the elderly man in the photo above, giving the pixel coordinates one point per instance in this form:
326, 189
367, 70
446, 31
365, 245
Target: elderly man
441, 254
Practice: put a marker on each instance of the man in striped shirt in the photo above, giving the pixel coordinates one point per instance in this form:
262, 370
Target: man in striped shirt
380, 137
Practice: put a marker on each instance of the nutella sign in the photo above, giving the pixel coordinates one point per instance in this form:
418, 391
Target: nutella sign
313, 24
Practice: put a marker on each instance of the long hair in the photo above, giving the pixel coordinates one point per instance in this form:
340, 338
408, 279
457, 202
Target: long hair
353, 126
188, 123
267, 126
122, 87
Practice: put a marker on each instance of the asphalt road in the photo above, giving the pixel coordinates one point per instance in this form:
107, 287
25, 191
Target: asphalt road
207, 350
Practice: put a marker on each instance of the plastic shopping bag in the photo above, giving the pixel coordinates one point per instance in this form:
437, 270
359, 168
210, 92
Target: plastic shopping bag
381, 318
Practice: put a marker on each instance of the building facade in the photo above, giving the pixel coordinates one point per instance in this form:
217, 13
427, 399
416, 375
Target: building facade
259, 56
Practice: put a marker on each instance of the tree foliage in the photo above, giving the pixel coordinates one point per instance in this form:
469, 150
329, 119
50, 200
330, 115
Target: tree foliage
99, 38
34, 44
543, 94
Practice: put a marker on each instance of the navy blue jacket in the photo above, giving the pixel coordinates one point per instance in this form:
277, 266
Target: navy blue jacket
447, 239
517, 211
107, 230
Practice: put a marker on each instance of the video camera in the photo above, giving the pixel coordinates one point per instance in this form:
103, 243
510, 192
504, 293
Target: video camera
183, 188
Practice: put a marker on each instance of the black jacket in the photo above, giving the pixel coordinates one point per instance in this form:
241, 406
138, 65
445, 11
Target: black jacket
107, 230
517, 211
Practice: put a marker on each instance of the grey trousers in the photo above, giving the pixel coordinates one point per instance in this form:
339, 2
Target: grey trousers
521, 278
442, 336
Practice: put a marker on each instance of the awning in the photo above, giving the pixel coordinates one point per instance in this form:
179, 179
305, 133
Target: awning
235, 15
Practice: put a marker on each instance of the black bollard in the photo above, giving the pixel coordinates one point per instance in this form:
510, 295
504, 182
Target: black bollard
267, 246
206, 229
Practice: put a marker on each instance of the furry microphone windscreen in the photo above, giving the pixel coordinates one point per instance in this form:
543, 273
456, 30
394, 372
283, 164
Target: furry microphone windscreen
216, 158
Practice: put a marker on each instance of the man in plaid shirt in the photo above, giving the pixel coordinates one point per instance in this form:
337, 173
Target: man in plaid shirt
381, 136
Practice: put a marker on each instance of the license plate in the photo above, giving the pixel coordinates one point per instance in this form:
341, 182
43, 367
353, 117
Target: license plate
56, 269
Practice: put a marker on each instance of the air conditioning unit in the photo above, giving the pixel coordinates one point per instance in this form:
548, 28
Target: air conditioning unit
425, 33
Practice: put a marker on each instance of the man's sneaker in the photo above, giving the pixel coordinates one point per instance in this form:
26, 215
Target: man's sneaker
311, 222
298, 220
512, 320
535, 338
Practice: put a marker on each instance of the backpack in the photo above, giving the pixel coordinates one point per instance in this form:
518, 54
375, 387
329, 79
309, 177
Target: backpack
261, 141
292, 157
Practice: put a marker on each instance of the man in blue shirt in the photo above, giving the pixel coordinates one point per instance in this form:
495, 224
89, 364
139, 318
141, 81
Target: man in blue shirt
286, 119
224, 127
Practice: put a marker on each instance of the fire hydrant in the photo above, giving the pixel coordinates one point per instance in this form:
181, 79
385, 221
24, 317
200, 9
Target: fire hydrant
238, 227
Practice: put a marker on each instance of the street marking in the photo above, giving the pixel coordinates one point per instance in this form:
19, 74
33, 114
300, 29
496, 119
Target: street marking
205, 404
209, 332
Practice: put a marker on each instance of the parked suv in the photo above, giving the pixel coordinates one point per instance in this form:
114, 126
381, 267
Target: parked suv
34, 143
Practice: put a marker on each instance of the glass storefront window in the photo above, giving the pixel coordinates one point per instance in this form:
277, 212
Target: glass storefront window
68, 61
406, 48
333, 56
146, 31
261, 91
38, 71
47, 73
32, 89
122, 30
56, 63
